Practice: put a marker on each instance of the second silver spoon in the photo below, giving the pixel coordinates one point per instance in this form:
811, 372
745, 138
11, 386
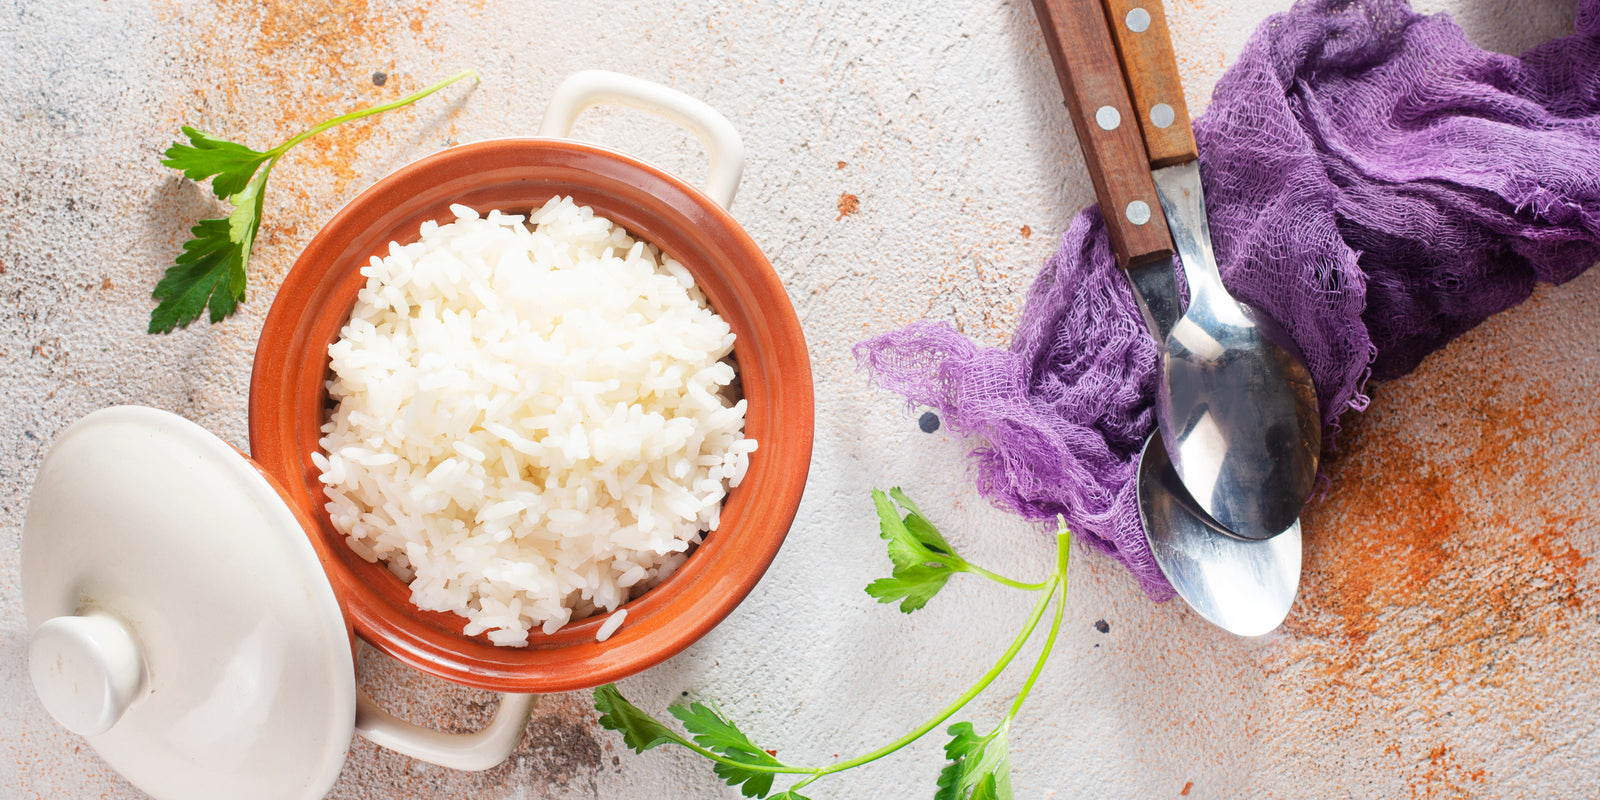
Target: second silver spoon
1243, 587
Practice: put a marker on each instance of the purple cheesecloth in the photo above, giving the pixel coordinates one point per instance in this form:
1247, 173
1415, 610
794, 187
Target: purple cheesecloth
1374, 182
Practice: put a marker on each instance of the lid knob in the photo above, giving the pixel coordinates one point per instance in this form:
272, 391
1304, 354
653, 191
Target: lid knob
87, 670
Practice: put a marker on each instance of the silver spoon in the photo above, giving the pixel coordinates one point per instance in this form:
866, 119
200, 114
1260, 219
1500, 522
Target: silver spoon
1234, 402
1128, 112
1236, 407
1244, 587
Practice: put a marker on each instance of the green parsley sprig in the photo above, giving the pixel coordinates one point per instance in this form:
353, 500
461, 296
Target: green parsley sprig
211, 270
923, 561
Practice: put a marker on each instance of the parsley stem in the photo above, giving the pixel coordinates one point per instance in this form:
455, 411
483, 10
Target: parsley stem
798, 785
1003, 580
1055, 582
367, 112
1063, 551
711, 756
1050, 587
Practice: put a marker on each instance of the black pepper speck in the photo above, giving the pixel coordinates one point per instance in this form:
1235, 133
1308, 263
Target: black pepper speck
379, 79
929, 422
1102, 626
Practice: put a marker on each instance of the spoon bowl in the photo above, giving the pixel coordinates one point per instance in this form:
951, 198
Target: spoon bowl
1244, 587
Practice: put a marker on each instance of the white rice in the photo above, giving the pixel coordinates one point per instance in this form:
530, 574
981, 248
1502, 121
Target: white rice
531, 424
611, 625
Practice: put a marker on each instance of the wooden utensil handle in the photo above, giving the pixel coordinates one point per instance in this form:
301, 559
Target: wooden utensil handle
1145, 47
1091, 78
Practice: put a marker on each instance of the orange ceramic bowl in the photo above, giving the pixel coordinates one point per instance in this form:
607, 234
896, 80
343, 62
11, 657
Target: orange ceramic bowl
289, 402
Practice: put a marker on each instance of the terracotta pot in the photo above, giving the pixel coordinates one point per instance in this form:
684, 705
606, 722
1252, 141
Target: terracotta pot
289, 403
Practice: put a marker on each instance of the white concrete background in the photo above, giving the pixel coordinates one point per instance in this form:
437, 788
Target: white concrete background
1446, 637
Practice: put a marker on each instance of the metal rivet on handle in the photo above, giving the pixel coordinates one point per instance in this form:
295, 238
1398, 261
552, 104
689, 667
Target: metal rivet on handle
1162, 115
1107, 118
1138, 20
1138, 212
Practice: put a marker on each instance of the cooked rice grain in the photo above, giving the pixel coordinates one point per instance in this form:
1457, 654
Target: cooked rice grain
611, 625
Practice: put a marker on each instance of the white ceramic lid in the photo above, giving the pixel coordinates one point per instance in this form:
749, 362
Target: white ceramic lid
180, 618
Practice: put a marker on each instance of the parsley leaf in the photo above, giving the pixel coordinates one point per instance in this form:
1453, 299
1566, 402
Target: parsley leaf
211, 271
912, 586
193, 282
737, 759
639, 730
714, 732
980, 766
229, 165
921, 532
923, 559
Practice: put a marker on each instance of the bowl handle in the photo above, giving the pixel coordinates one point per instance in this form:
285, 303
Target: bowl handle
473, 752
594, 87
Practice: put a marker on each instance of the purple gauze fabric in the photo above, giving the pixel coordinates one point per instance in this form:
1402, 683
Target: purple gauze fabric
1374, 182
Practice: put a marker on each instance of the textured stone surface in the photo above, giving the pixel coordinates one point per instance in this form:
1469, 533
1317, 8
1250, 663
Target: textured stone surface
906, 160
